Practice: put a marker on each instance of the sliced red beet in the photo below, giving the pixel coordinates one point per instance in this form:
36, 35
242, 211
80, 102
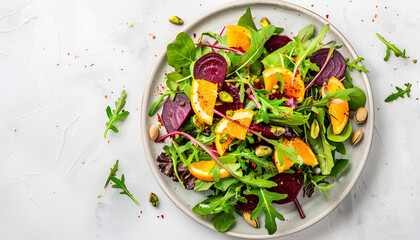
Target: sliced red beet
264, 129
236, 104
335, 67
251, 204
175, 112
276, 42
287, 183
211, 67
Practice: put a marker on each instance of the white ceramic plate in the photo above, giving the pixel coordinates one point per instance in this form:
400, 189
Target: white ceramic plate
292, 18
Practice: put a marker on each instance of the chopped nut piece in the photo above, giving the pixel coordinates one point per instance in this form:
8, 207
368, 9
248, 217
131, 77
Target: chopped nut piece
176, 20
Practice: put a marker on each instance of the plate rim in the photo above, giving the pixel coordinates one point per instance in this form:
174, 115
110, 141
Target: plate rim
144, 115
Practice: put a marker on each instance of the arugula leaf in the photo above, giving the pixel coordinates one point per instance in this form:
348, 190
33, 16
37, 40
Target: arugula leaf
116, 114
266, 104
258, 40
279, 59
257, 182
181, 53
354, 64
306, 33
223, 220
113, 172
225, 183
265, 205
400, 93
391, 47
247, 21
305, 50
212, 204
156, 104
326, 163
120, 183
343, 94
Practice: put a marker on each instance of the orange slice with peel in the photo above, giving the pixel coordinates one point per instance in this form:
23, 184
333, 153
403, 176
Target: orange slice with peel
303, 150
286, 165
238, 37
201, 170
339, 112
221, 147
243, 116
295, 90
203, 99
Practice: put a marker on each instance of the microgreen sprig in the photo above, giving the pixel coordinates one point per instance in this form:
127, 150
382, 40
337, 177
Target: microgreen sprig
391, 47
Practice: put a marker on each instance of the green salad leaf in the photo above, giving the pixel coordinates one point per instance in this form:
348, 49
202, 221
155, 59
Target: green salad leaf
247, 21
181, 53
116, 115
355, 65
120, 183
391, 47
400, 93
113, 172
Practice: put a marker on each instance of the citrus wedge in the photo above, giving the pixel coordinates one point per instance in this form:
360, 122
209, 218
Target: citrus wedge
297, 90
221, 147
339, 112
303, 150
287, 162
203, 98
201, 170
243, 116
238, 37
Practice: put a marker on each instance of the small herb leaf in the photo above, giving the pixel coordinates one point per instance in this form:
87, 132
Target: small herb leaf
120, 183
400, 93
113, 172
116, 115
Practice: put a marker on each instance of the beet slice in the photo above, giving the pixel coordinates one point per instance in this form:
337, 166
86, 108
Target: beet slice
236, 104
335, 67
175, 113
276, 42
287, 183
251, 204
211, 67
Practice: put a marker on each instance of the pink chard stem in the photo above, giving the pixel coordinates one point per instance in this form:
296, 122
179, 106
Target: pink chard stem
219, 47
299, 208
207, 149
253, 97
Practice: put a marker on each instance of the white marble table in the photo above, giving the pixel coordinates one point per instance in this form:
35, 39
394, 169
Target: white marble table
63, 62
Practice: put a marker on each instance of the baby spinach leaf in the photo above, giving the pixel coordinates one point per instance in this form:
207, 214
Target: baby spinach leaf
181, 52
357, 99
339, 137
339, 166
247, 21
223, 220
200, 185
265, 205
325, 158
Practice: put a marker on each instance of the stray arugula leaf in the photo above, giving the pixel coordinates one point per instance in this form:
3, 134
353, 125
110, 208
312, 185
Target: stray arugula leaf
246, 20
116, 114
390, 47
400, 93
354, 64
112, 173
265, 205
120, 183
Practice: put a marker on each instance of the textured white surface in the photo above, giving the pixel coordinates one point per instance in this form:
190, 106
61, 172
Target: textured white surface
58, 61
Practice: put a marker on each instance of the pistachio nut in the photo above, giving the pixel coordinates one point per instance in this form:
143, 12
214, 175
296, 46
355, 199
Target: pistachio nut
225, 97
264, 22
247, 217
229, 113
176, 20
154, 132
153, 199
314, 129
357, 136
200, 124
262, 151
278, 131
360, 115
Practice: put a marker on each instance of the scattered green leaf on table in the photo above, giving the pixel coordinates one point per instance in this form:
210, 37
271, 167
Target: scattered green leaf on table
120, 183
116, 114
356, 66
400, 93
113, 172
391, 47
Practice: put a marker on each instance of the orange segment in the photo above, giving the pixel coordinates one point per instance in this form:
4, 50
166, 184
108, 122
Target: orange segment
287, 162
303, 150
238, 37
297, 90
203, 98
201, 170
339, 112
243, 116
221, 147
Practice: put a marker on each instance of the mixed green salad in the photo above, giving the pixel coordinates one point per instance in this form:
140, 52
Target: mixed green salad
255, 117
